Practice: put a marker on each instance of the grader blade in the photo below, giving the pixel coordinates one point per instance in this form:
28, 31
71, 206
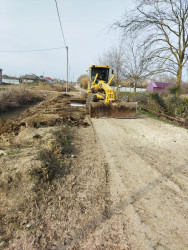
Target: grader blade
118, 110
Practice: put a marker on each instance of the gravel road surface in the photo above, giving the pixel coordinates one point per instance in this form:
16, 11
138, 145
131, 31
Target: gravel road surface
147, 176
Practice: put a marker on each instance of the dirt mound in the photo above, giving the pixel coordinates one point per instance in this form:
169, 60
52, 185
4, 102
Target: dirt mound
54, 111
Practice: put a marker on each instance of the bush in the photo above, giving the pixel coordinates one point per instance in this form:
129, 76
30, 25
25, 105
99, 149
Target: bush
64, 137
176, 105
173, 105
175, 90
141, 98
158, 101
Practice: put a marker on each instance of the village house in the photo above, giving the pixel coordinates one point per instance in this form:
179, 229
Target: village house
29, 78
49, 79
158, 86
9, 79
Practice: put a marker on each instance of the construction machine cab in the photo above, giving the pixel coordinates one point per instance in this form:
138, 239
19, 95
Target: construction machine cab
102, 71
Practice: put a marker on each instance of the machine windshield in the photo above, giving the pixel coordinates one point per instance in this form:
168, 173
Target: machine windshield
102, 74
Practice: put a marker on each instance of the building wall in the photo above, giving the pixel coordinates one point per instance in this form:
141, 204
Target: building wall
9, 80
158, 87
150, 87
27, 81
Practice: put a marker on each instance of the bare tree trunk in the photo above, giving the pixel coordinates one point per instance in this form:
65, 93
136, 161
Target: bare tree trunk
117, 76
117, 86
134, 90
179, 75
134, 86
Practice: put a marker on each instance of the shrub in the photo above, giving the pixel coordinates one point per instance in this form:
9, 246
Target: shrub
158, 101
64, 138
141, 98
175, 90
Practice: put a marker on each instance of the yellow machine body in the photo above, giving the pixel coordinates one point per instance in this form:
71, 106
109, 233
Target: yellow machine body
101, 99
100, 81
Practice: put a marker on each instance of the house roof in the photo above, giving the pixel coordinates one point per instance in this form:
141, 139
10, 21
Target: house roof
161, 84
30, 76
48, 78
4, 75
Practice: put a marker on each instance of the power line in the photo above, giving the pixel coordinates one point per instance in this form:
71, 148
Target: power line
64, 44
26, 51
60, 23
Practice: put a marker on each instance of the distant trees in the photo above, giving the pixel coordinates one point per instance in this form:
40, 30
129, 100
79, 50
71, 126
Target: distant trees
164, 77
164, 26
132, 62
81, 77
140, 62
83, 81
115, 58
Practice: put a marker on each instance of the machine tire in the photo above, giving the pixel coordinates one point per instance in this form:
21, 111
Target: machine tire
90, 98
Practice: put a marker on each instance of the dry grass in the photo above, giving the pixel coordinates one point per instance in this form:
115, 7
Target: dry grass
184, 87
15, 96
53, 87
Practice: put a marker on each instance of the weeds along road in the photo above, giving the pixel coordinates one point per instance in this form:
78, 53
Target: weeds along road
147, 176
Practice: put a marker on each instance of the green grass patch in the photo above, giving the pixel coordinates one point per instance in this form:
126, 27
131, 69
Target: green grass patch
64, 138
124, 93
151, 115
15, 152
31, 84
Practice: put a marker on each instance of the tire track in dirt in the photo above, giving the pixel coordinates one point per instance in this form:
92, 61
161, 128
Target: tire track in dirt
105, 235
173, 182
152, 207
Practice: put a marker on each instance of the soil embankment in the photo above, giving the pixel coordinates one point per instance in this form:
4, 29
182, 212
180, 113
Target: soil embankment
36, 151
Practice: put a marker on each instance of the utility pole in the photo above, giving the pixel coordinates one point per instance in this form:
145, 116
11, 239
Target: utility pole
1, 76
69, 74
67, 69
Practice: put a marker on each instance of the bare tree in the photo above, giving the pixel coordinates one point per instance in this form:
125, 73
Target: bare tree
164, 24
164, 77
115, 58
140, 62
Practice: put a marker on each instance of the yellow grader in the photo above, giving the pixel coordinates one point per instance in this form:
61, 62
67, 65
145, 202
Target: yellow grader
101, 100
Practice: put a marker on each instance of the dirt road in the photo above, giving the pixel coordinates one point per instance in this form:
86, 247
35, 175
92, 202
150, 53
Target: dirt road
147, 176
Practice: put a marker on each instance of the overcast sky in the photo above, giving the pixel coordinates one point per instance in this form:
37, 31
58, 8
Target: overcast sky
33, 24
